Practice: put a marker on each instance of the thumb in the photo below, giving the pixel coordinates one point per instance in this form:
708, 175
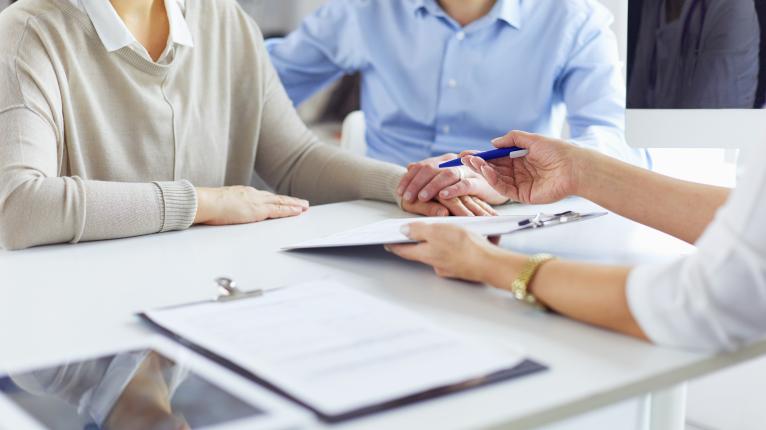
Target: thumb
418, 231
515, 138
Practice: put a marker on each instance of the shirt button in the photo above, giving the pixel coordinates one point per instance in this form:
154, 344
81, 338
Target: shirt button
460, 35
446, 129
452, 83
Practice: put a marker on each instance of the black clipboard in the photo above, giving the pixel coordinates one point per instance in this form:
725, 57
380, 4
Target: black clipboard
230, 292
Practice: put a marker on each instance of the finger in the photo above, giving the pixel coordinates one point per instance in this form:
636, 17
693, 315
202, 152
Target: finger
424, 176
283, 211
467, 153
431, 208
439, 182
487, 207
412, 170
418, 252
484, 169
456, 207
467, 162
489, 174
446, 157
515, 138
466, 187
477, 162
419, 231
287, 201
470, 203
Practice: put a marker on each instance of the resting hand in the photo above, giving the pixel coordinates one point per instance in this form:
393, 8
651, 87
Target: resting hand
425, 181
242, 205
460, 206
547, 174
452, 251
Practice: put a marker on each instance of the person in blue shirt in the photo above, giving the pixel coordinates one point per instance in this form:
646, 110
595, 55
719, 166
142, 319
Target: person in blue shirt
449, 75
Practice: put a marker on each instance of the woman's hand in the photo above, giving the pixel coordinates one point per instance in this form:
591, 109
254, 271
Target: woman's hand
459, 206
242, 205
425, 181
456, 253
549, 173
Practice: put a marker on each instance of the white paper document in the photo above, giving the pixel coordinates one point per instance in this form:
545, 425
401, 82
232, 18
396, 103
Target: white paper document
334, 348
389, 231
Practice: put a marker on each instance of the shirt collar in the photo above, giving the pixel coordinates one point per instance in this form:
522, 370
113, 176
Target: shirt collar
115, 35
508, 11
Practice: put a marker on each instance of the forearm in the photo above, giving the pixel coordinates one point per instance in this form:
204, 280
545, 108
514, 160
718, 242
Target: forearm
38, 207
292, 160
679, 208
327, 174
56, 210
589, 293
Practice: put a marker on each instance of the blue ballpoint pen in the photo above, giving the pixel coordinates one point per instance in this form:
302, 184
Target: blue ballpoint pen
512, 152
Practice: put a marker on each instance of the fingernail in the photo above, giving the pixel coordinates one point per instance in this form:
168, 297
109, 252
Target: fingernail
444, 194
387, 248
442, 213
423, 195
495, 140
408, 196
405, 230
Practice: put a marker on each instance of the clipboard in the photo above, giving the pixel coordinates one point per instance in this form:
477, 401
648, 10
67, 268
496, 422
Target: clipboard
387, 232
230, 294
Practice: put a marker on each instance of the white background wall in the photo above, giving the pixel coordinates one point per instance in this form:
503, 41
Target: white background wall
619, 9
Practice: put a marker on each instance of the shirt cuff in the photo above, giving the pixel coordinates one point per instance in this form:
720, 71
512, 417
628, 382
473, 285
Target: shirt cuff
382, 186
179, 204
650, 295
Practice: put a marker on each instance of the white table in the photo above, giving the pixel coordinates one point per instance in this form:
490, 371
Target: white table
69, 300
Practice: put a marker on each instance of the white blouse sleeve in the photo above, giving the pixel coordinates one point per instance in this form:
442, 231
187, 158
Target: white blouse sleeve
714, 299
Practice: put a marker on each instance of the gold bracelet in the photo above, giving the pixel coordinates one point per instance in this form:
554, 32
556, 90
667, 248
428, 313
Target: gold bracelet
520, 285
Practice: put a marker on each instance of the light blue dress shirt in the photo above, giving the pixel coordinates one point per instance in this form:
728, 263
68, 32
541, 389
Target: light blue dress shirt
430, 86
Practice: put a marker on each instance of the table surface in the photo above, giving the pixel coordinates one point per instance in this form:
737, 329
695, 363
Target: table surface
72, 300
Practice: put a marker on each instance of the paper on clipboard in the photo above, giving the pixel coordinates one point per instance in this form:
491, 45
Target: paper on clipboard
338, 351
389, 231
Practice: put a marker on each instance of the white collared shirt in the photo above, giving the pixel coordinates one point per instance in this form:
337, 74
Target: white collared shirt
114, 34
714, 299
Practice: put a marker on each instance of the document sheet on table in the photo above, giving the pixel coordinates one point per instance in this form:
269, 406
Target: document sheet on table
389, 231
334, 348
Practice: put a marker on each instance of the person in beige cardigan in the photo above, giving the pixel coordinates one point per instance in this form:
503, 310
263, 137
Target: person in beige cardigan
135, 117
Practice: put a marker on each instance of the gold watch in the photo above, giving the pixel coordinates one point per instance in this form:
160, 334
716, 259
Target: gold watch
520, 285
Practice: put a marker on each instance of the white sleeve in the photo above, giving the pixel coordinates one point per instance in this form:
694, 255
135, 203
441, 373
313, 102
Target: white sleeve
714, 299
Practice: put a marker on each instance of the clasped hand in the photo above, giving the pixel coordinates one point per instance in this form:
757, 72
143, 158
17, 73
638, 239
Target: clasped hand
551, 171
428, 190
440, 192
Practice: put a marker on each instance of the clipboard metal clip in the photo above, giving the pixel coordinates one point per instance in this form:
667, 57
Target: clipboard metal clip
228, 290
542, 220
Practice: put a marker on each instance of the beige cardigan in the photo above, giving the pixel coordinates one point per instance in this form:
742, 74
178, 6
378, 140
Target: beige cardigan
98, 145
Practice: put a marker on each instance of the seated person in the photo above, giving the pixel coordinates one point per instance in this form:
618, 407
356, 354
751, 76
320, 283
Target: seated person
128, 117
714, 299
696, 55
443, 76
